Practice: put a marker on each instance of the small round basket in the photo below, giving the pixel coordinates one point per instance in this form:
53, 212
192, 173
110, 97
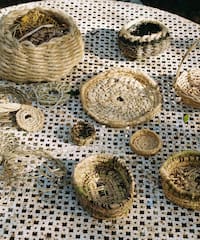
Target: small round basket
33, 57
180, 177
143, 38
145, 142
121, 97
83, 133
187, 83
104, 186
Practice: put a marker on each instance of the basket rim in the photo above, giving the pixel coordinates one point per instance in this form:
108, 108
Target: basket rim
139, 76
145, 152
164, 173
124, 32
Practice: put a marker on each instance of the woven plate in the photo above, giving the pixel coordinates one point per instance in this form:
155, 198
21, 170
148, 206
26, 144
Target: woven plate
104, 186
83, 133
121, 97
187, 83
51, 93
180, 177
145, 142
30, 118
143, 38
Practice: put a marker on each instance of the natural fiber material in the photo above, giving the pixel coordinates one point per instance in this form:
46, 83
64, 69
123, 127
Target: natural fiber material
145, 142
180, 176
121, 97
51, 93
83, 133
8, 143
187, 83
143, 38
22, 61
30, 118
104, 186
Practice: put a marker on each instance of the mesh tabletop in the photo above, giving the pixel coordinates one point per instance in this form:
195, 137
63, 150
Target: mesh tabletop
28, 213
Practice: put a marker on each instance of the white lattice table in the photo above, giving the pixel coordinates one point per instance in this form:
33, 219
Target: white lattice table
26, 214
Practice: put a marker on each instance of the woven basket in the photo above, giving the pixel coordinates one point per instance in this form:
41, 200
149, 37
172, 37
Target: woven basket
121, 97
83, 133
180, 177
187, 83
22, 61
145, 142
143, 38
104, 186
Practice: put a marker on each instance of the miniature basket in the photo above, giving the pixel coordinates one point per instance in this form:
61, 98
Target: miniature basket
180, 177
187, 83
22, 61
143, 38
145, 142
104, 186
83, 133
121, 97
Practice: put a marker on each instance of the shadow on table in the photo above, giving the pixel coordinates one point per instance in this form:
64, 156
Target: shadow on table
103, 42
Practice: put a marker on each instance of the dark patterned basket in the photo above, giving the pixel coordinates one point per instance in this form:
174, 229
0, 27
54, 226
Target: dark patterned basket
143, 38
180, 177
104, 186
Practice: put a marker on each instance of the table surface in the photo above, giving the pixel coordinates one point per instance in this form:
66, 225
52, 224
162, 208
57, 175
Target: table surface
27, 214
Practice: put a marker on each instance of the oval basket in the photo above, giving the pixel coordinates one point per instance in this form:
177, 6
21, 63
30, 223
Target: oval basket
22, 61
180, 178
143, 38
104, 186
187, 83
121, 97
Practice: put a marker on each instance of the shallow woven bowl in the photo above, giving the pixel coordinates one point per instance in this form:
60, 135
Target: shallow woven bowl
145, 142
180, 177
104, 186
143, 38
49, 61
121, 97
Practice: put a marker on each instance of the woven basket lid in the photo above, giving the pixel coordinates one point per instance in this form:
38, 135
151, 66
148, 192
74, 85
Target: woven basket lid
121, 97
180, 176
104, 186
145, 142
83, 133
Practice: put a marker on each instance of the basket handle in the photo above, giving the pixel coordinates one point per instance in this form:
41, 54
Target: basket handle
185, 55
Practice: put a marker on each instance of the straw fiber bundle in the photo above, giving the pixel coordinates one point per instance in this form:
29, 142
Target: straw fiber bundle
143, 38
32, 58
180, 177
104, 186
121, 97
187, 83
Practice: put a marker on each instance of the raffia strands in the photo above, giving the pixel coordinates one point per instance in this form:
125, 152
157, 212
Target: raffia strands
143, 38
180, 178
104, 186
22, 61
30, 118
121, 97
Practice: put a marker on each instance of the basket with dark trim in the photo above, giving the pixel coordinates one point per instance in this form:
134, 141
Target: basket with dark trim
143, 38
180, 177
104, 186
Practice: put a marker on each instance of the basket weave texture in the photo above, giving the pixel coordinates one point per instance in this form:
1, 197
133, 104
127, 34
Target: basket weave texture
121, 97
187, 83
22, 61
143, 38
180, 177
104, 186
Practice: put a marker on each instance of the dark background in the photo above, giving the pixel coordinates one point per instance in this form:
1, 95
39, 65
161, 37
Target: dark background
187, 8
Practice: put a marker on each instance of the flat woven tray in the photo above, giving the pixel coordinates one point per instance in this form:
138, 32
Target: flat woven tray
180, 175
22, 61
121, 97
104, 186
143, 38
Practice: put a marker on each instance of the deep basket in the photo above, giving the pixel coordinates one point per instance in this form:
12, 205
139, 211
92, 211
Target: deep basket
22, 61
